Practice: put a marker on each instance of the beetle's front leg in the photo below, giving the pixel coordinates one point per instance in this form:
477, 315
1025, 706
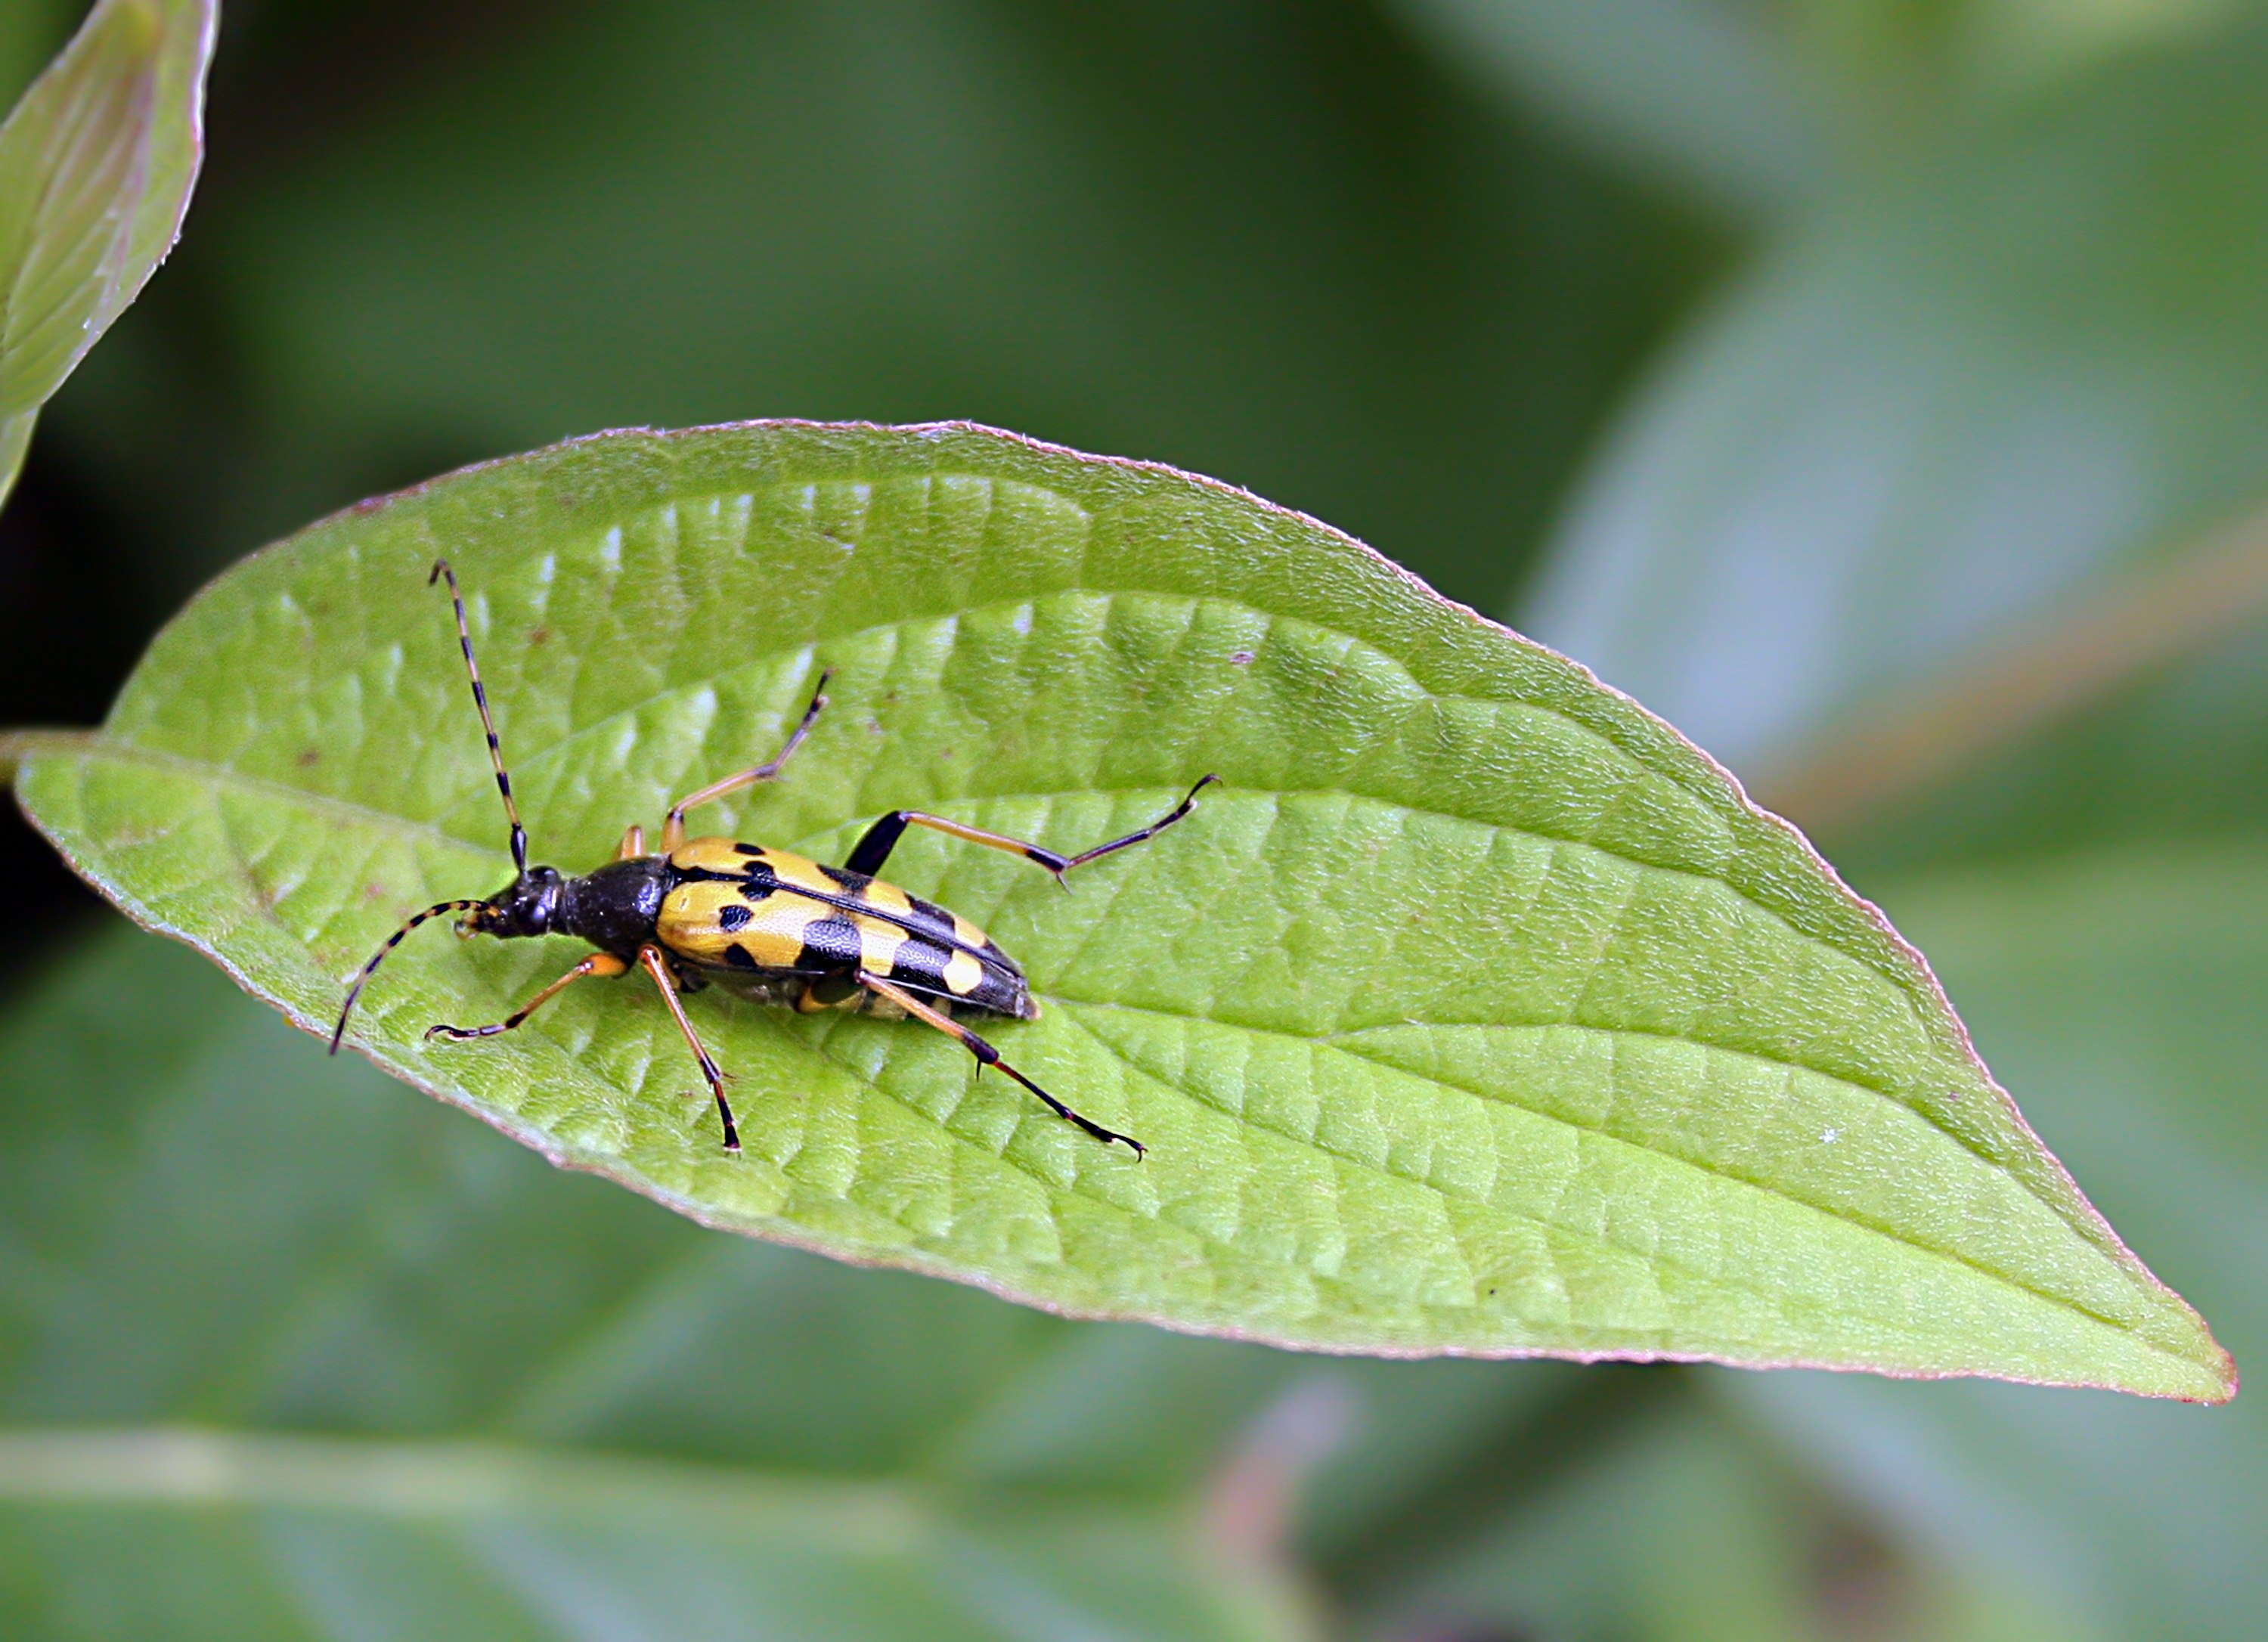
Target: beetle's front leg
604, 965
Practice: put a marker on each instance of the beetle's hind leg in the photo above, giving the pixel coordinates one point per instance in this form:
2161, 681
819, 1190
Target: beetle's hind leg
672, 826
606, 966
882, 837
987, 1056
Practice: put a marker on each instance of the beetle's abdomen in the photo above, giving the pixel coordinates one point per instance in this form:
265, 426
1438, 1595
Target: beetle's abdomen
741, 907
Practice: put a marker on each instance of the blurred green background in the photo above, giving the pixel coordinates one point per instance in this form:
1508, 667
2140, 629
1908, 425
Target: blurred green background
1779, 358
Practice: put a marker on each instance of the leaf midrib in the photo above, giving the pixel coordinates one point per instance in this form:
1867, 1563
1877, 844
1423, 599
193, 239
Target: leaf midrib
219, 775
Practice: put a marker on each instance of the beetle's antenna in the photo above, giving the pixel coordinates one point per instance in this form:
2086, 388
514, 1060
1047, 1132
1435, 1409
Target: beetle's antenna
480, 700
379, 957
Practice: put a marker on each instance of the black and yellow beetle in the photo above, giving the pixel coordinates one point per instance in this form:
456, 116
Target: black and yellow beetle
758, 921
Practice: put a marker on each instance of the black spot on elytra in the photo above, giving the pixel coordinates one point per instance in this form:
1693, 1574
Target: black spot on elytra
740, 957
829, 941
734, 919
751, 850
921, 962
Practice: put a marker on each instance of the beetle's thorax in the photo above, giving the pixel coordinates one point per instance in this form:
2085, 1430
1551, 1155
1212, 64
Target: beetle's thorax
615, 909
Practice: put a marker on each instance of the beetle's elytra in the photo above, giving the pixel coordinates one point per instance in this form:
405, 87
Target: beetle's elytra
758, 921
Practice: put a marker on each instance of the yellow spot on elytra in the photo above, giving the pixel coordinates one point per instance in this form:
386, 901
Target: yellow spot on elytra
879, 943
793, 869
715, 855
774, 937
888, 897
962, 972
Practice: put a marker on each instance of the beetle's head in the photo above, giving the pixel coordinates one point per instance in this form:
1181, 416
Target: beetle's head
526, 906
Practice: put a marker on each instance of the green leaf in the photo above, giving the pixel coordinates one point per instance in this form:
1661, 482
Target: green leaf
1938, 410
1694, 1525
1680, 1531
1476, 1012
96, 166
1704, 94
316, 1360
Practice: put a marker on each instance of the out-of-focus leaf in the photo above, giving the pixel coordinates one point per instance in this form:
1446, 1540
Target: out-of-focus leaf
1675, 1532
96, 166
1701, 92
1938, 410
2176, 754
309, 1360
31, 32
2125, 987
2044, 673
1759, 110
272, 1535
1687, 1526
2013, 49
1137, 1409
1474, 1013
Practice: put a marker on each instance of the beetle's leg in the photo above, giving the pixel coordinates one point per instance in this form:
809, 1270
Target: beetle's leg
673, 829
633, 844
986, 1054
604, 965
883, 835
657, 966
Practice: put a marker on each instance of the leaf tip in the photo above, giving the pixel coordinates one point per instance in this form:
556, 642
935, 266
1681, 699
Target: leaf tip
2226, 1380
2208, 1377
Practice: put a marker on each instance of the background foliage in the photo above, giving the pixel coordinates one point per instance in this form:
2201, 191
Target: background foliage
1782, 360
